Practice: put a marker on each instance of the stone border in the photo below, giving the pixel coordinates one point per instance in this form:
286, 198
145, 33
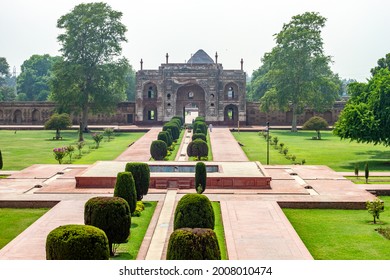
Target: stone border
28, 203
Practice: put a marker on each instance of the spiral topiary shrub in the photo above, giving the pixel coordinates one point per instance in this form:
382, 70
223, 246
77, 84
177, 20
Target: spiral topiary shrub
164, 136
110, 214
158, 150
193, 244
77, 242
125, 188
199, 136
141, 175
197, 148
194, 211
200, 177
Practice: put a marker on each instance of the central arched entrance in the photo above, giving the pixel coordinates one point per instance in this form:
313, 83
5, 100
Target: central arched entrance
190, 100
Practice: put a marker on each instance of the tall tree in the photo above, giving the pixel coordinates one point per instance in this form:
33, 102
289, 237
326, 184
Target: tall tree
366, 116
130, 84
91, 76
299, 72
33, 81
7, 93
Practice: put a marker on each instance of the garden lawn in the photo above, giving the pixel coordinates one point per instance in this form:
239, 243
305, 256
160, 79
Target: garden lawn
341, 234
139, 226
371, 180
23, 148
339, 155
218, 229
15, 220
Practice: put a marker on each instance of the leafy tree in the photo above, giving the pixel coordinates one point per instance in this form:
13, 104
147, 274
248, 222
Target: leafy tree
316, 123
33, 81
299, 75
58, 122
375, 207
130, 84
365, 117
7, 92
91, 76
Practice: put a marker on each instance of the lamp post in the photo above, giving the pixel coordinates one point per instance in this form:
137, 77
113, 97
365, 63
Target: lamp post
267, 143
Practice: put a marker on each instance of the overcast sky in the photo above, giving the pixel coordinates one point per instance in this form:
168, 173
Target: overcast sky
356, 35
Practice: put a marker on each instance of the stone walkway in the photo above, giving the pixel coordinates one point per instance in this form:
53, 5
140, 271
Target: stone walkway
225, 147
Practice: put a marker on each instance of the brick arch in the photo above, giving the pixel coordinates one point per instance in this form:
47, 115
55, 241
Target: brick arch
190, 94
17, 117
36, 116
230, 114
149, 91
230, 91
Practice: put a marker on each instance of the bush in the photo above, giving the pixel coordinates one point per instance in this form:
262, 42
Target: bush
194, 211
200, 119
158, 150
77, 242
110, 214
193, 244
97, 137
316, 123
199, 136
1, 161
175, 130
180, 119
138, 209
200, 177
201, 126
164, 136
125, 188
58, 122
141, 175
375, 207
109, 132
197, 148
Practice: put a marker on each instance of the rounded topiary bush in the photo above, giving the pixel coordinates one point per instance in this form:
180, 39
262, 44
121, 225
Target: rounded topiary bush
197, 148
125, 188
141, 175
201, 126
175, 129
194, 211
112, 215
193, 244
158, 150
77, 242
180, 119
199, 136
164, 136
200, 177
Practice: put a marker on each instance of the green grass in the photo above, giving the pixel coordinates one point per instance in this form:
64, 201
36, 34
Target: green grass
218, 229
341, 234
339, 155
371, 180
176, 145
15, 220
24, 148
139, 226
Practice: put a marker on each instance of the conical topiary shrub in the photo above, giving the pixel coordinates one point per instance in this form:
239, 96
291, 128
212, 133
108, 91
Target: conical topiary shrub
193, 244
141, 175
200, 177
125, 188
194, 211
110, 214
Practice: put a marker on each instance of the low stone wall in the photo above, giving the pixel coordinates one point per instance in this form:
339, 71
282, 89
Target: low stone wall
28, 203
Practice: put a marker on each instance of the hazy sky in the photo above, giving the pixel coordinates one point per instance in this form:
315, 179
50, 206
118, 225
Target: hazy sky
356, 35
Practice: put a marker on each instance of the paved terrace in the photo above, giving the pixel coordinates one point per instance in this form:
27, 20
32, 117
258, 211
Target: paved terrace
255, 226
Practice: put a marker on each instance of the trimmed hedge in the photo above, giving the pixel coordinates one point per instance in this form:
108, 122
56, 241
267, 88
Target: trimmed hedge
125, 188
193, 244
175, 129
199, 136
110, 214
194, 211
180, 119
77, 242
141, 175
164, 136
200, 177
158, 150
200, 126
197, 148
